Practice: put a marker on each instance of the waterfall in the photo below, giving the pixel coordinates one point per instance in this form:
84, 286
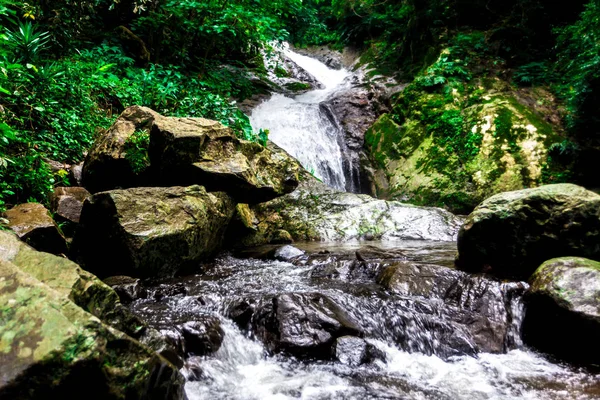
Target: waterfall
303, 129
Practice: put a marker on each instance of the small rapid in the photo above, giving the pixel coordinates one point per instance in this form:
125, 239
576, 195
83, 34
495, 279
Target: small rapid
426, 343
302, 127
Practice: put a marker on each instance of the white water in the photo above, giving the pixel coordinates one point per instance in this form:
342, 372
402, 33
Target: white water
300, 127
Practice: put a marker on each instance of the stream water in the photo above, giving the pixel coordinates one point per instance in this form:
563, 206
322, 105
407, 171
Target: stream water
418, 328
416, 358
301, 127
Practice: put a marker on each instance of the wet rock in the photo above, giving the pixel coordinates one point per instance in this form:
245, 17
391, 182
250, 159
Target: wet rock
305, 325
51, 348
34, 225
167, 343
169, 290
331, 58
186, 151
563, 309
151, 232
316, 212
487, 311
202, 337
128, 288
287, 253
67, 202
106, 166
354, 351
75, 284
510, 234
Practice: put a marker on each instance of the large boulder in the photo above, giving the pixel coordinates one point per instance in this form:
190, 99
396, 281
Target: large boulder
511, 234
563, 309
151, 232
51, 348
68, 279
107, 165
316, 212
34, 225
187, 151
305, 325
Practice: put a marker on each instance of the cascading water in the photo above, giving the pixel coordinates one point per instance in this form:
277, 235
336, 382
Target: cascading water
299, 125
415, 337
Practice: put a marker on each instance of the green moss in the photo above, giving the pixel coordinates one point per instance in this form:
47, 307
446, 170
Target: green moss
297, 86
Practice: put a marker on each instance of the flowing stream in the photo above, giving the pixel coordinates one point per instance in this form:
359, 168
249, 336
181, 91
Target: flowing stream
417, 356
301, 127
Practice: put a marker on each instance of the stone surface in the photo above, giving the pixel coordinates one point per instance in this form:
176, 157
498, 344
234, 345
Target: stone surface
316, 212
202, 337
106, 166
305, 325
354, 351
287, 253
151, 232
69, 280
511, 143
67, 202
128, 288
51, 348
186, 151
484, 309
34, 225
563, 309
511, 234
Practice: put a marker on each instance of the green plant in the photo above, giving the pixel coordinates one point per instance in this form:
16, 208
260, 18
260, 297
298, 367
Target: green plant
136, 151
25, 41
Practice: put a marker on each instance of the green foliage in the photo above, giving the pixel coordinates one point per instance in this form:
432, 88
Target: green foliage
26, 42
136, 151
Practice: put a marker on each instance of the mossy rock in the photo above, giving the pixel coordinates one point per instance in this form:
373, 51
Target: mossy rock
51, 348
151, 232
511, 234
564, 299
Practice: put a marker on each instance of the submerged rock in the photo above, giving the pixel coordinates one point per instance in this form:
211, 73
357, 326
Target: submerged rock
354, 351
305, 325
316, 212
34, 225
510, 234
563, 309
67, 202
51, 349
151, 232
484, 309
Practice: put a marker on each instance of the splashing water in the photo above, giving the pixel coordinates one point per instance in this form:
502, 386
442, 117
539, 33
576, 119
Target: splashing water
301, 127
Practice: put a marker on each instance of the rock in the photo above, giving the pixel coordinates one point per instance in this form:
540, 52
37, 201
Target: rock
202, 337
128, 289
75, 284
354, 351
287, 253
563, 309
151, 232
510, 234
280, 236
67, 202
484, 309
76, 175
318, 213
34, 225
505, 148
106, 166
331, 58
187, 151
52, 349
305, 325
